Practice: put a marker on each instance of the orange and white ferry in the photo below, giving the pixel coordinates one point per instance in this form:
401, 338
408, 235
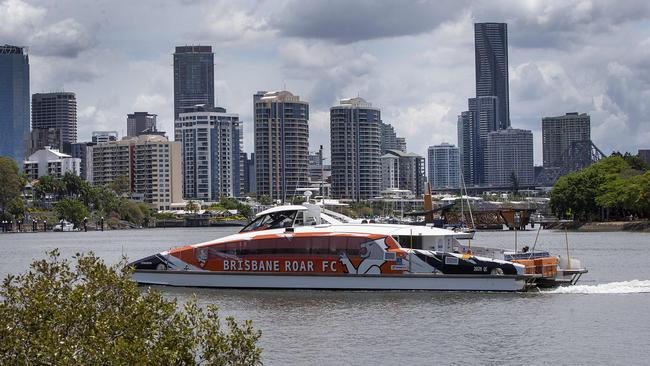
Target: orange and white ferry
309, 247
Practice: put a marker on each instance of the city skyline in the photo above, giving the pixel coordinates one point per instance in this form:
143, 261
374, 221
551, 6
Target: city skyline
420, 71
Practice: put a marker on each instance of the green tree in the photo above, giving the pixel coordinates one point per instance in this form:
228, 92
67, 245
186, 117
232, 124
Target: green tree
598, 190
88, 313
72, 184
43, 186
106, 200
10, 183
49, 186
245, 210
121, 185
17, 208
634, 161
514, 183
134, 212
265, 200
192, 207
228, 203
71, 210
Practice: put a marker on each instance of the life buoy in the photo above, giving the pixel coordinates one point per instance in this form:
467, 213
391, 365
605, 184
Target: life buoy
497, 271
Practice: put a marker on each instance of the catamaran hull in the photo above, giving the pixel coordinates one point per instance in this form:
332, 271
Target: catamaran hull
502, 283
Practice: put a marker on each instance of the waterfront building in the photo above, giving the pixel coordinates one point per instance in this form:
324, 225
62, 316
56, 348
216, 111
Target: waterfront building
281, 144
83, 151
151, 163
39, 138
14, 102
473, 128
560, 133
212, 144
318, 170
389, 171
644, 154
389, 140
355, 127
193, 77
404, 171
249, 168
246, 177
509, 151
52, 162
444, 166
401, 144
467, 136
56, 110
491, 64
101, 137
141, 123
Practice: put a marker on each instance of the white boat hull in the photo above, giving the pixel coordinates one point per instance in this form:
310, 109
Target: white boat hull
339, 282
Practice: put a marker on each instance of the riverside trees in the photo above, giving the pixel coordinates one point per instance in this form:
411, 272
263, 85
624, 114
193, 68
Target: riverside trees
89, 313
611, 188
10, 185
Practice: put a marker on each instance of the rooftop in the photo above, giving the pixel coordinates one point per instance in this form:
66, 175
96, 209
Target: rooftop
12, 50
281, 96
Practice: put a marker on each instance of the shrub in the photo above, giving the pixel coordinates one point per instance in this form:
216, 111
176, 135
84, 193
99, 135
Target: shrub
95, 315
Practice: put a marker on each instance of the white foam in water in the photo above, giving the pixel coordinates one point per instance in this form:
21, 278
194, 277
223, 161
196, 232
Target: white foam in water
625, 287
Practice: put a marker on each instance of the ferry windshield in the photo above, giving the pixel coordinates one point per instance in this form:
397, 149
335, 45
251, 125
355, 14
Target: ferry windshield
271, 221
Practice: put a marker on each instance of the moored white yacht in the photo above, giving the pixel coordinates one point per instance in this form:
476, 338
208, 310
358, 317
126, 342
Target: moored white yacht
309, 247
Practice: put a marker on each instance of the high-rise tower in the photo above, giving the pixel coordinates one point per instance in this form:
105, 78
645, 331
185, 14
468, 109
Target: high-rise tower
140, 123
443, 166
56, 110
281, 144
559, 133
491, 54
14, 102
211, 141
193, 77
509, 152
355, 128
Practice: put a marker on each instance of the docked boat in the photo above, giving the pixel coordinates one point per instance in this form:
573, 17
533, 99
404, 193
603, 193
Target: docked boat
309, 247
63, 226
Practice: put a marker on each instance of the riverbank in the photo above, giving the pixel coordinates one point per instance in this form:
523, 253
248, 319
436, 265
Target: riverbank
608, 226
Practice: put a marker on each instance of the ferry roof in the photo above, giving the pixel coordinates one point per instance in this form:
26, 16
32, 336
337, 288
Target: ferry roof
382, 229
377, 229
282, 208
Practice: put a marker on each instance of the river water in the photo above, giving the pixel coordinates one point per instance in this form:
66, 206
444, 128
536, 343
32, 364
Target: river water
603, 320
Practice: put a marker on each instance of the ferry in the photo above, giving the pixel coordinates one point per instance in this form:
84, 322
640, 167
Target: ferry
310, 247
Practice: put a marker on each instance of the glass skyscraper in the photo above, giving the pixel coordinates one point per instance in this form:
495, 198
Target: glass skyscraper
14, 102
491, 53
193, 77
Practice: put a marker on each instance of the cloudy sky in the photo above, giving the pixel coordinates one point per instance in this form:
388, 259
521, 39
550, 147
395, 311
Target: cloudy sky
413, 59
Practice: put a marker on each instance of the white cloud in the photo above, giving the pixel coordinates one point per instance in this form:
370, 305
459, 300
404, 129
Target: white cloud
584, 56
27, 25
66, 38
227, 24
18, 19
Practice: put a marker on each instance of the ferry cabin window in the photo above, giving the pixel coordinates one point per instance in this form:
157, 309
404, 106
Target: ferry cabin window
299, 219
330, 246
408, 241
271, 221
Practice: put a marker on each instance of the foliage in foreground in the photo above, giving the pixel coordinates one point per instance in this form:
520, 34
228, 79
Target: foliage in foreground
95, 314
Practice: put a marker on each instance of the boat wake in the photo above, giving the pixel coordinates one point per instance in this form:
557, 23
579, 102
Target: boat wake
625, 287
